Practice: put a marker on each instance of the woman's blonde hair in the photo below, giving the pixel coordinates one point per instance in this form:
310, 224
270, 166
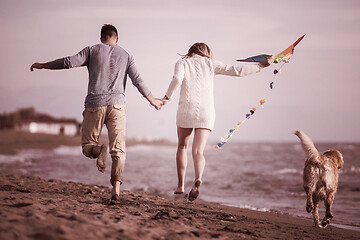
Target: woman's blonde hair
200, 49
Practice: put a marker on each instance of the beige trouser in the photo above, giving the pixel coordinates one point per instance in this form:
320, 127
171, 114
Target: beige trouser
114, 117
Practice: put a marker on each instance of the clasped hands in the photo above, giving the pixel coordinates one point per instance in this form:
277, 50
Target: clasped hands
157, 102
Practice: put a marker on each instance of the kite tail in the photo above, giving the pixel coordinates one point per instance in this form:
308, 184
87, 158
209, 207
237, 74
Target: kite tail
223, 140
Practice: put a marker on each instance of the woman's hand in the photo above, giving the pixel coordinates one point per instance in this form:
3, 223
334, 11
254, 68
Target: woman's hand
164, 100
267, 62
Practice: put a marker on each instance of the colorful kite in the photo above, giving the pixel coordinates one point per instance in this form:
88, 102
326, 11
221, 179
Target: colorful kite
258, 58
284, 56
287, 53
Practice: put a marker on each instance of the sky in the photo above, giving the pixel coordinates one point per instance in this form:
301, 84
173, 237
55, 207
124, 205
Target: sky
317, 91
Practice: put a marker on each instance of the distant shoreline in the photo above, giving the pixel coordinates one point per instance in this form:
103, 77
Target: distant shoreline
11, 141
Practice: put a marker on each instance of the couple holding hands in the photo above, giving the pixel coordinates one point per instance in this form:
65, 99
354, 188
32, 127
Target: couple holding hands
109, 65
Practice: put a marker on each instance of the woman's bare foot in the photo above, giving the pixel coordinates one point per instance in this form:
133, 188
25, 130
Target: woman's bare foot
195, 190
179, 190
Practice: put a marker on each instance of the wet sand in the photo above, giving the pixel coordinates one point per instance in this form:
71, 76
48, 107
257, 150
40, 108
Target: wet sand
35, 208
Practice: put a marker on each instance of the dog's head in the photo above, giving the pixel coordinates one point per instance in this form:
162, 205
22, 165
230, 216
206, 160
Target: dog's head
336, 157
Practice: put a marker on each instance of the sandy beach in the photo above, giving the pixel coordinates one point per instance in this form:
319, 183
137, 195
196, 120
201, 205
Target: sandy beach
34, 208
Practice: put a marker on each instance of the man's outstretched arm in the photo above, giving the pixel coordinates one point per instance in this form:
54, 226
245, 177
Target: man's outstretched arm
79, 59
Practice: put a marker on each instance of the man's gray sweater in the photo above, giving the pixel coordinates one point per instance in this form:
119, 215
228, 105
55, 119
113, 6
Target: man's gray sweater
108, 68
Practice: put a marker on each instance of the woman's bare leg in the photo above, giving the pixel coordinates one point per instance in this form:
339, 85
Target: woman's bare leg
181, 156
200, 138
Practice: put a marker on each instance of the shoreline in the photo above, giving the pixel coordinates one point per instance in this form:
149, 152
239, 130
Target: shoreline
12, 141
338, 225
35, 208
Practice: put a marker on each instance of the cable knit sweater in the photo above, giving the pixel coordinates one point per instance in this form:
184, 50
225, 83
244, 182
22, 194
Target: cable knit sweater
196, 75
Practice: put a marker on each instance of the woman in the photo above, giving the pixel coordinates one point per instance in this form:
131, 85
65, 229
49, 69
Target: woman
196, 111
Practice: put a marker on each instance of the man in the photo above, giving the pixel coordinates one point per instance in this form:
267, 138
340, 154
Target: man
108, 66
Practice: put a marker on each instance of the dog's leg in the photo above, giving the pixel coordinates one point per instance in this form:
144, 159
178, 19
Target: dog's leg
328, 205
328, 215
315, 212
309, 183
309, 199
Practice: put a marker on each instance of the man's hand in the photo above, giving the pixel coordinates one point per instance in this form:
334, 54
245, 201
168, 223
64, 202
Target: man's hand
39, 66
267, 62
157, 103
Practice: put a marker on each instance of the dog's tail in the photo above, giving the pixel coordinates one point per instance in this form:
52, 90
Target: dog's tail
307, 144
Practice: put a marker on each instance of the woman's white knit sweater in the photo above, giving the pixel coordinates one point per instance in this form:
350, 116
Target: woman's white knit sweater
196, 75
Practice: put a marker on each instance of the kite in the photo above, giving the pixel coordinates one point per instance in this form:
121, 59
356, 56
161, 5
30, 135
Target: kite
287, 53
258, 58
284, 57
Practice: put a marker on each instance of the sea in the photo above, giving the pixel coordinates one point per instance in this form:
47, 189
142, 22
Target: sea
259, 176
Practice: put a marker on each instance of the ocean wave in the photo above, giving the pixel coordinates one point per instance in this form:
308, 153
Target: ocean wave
151, 190
254, 208
68, 150
349, 146
266, 148
149, 148
352, 169
287, 171
11, 159
33, 153
297, 147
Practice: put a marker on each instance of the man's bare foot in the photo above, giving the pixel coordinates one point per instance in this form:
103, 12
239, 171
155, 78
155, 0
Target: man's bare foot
195, 190
101, 160
116, 191
115, 197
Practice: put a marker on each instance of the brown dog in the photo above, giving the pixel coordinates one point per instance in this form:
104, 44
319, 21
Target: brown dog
320, 179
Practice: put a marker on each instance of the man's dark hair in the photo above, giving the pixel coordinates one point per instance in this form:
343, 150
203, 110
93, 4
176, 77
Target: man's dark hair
108, 31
